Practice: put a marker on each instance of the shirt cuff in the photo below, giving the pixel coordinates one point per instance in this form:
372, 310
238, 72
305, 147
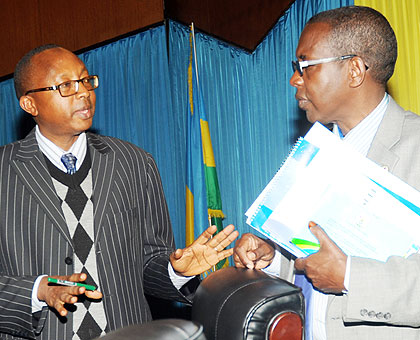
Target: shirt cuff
37, 305
274, 267
177, 280
347, 275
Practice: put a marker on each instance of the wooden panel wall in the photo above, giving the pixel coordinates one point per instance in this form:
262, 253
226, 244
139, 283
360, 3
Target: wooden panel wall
74, 24
243, 23
79, 24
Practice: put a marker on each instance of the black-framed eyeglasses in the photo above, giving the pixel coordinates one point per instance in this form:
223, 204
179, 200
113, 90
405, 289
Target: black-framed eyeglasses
300, 65
71, 87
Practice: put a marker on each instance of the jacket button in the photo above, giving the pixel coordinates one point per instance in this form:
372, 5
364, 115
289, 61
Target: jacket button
387, 316
363, 312
380, 315
371, 314
68, 260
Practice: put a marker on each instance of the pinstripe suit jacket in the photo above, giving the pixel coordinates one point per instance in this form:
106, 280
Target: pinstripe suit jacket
133, 236
379, 288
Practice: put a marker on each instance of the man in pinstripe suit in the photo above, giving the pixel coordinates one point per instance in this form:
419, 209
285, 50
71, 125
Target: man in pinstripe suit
125, 212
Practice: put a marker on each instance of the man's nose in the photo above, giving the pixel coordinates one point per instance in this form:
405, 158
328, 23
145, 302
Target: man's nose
82, 91
296, 79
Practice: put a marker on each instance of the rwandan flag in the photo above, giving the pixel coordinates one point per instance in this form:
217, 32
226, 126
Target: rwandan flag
203, 203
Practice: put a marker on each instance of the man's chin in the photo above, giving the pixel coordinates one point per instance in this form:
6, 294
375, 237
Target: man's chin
310, 117
84, 124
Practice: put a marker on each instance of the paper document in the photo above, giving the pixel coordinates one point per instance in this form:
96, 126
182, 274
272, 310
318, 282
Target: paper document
366, 210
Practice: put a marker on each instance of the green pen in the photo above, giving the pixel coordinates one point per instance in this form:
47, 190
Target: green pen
71, 283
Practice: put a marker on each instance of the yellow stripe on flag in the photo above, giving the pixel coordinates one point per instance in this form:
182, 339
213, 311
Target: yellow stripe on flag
208, 155
189, 230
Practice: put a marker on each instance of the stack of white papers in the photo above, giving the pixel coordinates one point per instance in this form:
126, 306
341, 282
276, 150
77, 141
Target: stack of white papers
366, 210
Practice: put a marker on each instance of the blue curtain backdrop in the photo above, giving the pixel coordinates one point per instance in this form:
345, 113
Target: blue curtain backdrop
251, 109
252, 114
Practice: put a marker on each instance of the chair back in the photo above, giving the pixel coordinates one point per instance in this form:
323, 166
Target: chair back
242, 304
163, 329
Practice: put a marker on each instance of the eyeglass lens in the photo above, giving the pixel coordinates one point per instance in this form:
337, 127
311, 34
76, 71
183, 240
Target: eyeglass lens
296, 67
71, 87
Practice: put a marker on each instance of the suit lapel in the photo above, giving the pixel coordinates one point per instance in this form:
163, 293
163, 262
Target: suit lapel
103, 159
32, 170
388, 134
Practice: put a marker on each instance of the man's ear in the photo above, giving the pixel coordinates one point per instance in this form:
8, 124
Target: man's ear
27, 103
357, 71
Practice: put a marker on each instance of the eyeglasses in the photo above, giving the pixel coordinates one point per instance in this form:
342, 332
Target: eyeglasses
300, 65
71, 87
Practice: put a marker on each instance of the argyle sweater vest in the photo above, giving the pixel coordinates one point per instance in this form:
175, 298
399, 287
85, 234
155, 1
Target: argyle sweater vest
75, 194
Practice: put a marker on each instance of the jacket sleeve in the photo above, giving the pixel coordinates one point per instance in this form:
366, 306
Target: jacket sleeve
384, 292
16, 316
159, 241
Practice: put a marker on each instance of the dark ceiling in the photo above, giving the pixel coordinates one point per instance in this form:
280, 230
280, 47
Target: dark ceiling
80, 24
244, 23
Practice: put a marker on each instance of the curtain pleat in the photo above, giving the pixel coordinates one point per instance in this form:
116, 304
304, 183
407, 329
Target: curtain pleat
12, 117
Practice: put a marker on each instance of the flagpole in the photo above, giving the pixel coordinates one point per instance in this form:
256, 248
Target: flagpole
196, 76
195, 54
198, 88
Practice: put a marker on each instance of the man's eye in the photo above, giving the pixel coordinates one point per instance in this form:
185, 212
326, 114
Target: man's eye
65, 85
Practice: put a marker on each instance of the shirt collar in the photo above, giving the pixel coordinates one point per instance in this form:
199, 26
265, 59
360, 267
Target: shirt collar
54, 152
361, 136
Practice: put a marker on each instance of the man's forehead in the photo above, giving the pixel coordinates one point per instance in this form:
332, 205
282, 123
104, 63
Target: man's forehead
55, 56
57, 61
313, 40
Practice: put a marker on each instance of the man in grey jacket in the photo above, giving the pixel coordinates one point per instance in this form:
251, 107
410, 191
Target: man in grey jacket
345, 58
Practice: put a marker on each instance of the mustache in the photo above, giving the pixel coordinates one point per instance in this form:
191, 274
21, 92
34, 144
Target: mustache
86, 105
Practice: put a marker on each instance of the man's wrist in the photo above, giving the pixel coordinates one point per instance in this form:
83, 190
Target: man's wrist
274, 267
347, 275
178, 280
37, 304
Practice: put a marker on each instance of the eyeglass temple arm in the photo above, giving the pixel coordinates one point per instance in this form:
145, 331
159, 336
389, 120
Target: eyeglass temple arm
306, 63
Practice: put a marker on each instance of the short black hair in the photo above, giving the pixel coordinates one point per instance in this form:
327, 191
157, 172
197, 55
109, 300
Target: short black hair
23, 69
365, 32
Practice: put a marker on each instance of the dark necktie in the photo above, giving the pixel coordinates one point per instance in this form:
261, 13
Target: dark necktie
307, 289
69, 161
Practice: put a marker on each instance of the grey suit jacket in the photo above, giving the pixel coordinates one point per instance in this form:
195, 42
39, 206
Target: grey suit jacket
383, 301
133, 235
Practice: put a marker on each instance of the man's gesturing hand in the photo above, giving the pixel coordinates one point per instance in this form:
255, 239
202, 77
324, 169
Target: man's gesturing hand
206, 251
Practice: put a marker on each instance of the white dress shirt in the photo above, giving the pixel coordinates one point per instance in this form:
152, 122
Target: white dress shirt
360, 137
54, 152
